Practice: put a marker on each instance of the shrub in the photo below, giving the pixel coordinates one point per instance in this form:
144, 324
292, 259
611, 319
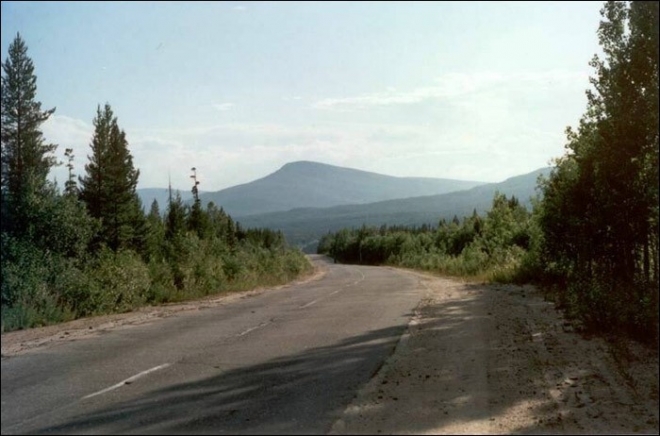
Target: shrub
123, 282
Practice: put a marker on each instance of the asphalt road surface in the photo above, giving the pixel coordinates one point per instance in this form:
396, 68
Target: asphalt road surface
286, 361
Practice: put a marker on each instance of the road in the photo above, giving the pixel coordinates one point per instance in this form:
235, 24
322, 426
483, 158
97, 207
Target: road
286, 361
353, 350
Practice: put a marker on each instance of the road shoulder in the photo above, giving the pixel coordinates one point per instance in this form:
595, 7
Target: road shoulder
480, 359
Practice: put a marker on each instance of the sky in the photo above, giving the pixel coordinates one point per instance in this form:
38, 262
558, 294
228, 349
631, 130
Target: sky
462, 90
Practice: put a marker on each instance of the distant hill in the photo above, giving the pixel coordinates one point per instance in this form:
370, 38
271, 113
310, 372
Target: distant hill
148, 195
304, 226
313, 184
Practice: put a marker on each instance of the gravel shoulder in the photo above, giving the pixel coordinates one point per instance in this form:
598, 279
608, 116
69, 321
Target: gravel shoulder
499, 359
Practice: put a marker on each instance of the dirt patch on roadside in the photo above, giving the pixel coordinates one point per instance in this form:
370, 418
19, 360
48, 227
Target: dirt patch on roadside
482, 359
22, 341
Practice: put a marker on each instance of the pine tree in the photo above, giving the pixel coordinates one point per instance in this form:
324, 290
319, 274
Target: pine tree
109, 187
155, 232
70, 187
175, 220
198, 220
26, 157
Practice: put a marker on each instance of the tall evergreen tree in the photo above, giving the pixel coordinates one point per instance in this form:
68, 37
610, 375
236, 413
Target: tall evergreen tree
155, 232
198, 219
26, 157
176, 217
70, 186
109, 187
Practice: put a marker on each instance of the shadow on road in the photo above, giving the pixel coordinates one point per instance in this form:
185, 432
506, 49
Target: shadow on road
296, 394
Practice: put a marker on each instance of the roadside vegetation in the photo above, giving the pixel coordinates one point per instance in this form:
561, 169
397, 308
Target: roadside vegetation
90, 249
592, 239
491, 247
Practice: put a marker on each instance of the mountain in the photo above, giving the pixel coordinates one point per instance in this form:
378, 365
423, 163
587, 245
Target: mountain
305, 226
317, 185
148, 195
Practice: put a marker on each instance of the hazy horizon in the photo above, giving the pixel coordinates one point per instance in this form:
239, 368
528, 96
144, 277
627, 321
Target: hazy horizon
211, 189
467, 91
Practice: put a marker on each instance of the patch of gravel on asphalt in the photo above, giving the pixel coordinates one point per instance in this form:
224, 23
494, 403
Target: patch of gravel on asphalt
496, 359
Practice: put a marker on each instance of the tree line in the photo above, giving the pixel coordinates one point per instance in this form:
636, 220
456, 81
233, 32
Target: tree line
592, 238
90, 248
491, 247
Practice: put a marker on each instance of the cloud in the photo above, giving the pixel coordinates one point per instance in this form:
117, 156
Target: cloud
239, 8
233, 153
223, 106
68, 132
451, 87
472, 126
64, 130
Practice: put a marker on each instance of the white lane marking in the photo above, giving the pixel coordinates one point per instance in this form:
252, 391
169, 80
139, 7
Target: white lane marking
127, 381
357, 281
263, 324
311, 303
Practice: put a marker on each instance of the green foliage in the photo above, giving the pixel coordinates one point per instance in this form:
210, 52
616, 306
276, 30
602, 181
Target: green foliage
27, 276
59, 223
154, 234
492, 247
26, 158
599, 217
44, 234
67, 255
122, 281
41, 287
108, 187
176, 217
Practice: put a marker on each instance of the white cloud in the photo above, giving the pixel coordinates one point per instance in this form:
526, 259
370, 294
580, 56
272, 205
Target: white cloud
451, 87
223, 106
65, 130
230, 154
68, 132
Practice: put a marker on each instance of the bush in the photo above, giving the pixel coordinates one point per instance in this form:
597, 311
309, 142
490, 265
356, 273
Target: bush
122, 282
162, 287
28, 295
75, 288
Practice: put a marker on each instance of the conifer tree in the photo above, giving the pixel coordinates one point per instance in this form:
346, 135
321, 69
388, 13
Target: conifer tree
175, 219
109, 186
155, 232
70, 187
198, 219
26, 157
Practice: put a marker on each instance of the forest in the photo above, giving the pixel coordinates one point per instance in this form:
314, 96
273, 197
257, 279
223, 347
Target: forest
591, 240
89, 248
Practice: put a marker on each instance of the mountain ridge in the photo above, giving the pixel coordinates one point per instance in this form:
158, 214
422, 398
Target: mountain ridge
303, 226
314, 184
332, 199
